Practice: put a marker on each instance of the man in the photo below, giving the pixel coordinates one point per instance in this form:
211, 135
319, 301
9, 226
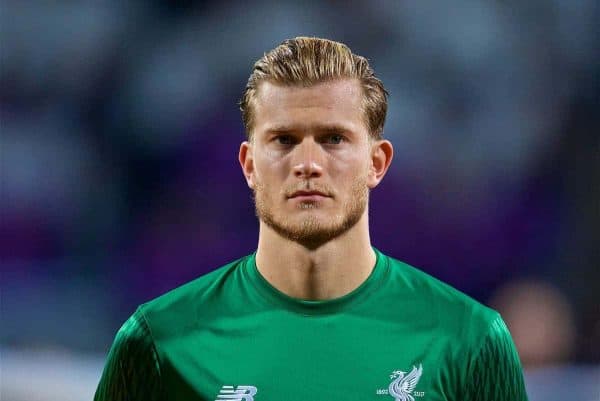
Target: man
316, 313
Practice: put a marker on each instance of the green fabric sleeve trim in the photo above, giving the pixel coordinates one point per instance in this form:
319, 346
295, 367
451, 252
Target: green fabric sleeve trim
132, 371
496, 373
155, 354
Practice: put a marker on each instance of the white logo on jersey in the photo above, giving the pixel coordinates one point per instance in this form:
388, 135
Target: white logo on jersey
403, 385
241, 393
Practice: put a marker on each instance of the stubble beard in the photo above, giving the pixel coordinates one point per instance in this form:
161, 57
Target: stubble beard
312, 232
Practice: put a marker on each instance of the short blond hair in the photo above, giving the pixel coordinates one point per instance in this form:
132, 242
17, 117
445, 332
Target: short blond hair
305, 61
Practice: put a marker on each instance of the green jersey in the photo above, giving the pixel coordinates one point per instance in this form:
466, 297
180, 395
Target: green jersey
229, 335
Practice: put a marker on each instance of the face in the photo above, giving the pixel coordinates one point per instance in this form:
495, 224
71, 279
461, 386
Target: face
310, 163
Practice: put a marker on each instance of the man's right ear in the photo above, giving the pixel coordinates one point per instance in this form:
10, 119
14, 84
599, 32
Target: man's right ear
247, 162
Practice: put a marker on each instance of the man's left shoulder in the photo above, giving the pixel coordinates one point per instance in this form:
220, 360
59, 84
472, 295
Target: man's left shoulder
448, 305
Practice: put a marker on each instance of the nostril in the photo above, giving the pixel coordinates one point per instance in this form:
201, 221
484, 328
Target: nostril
307, 170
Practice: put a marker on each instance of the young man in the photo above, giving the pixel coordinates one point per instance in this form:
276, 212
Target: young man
316, 313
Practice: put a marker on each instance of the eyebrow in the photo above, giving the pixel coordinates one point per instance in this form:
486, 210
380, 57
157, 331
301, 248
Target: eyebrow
322, 128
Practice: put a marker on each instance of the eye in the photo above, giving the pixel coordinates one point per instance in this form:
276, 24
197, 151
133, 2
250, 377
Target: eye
334, 139
284, 139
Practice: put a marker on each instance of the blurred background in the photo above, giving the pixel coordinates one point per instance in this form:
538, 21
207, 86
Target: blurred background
119, 176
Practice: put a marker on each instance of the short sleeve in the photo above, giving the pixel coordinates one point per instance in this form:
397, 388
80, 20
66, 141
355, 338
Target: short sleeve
132, 370
496, 374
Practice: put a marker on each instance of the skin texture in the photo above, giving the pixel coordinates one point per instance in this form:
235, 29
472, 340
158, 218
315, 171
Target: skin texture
313, 139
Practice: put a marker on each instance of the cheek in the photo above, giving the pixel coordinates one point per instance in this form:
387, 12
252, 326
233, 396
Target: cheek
350, 169
271, 167
270, 177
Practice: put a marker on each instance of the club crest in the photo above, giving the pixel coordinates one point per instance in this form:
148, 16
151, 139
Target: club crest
403, 384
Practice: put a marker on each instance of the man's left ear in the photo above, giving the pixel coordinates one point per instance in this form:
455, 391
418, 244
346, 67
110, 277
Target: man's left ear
382, 153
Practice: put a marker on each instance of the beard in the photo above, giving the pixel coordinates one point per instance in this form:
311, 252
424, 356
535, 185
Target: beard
311, 231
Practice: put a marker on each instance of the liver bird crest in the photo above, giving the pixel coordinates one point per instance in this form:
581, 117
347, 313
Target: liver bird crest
404, 384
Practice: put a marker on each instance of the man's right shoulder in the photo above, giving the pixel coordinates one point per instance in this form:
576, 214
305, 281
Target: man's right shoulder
196, 301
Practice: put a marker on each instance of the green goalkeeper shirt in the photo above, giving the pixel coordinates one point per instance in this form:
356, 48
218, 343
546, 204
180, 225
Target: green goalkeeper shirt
229, 335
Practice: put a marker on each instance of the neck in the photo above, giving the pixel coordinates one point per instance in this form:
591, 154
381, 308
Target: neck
330, 271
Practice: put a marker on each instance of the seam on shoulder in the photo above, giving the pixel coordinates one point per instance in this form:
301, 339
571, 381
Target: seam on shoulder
476, 353
155, 354
484, 339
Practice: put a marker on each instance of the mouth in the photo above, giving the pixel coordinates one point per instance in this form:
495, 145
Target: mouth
308, 195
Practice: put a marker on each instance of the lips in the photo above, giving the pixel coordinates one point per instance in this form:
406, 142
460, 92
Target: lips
307, 194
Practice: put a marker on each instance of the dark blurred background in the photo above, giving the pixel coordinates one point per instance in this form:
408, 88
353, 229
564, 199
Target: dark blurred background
119, 175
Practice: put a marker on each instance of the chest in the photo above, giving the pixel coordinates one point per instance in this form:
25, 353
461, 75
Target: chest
320, 359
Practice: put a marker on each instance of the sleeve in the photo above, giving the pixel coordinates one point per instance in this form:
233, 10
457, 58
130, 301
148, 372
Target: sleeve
132, 370
495, 373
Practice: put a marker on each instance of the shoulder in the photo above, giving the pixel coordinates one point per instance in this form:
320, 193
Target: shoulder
480, 347
132, 337
495, 361
183, 307
447, 306
132, 369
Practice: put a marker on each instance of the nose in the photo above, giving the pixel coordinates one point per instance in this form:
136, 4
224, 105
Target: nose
307, 161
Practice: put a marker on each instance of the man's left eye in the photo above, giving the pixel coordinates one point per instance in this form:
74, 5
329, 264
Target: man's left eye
335, 139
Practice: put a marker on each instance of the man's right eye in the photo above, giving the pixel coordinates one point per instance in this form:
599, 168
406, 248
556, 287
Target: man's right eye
285, 139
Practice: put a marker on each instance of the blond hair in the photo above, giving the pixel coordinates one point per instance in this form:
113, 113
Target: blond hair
305, 61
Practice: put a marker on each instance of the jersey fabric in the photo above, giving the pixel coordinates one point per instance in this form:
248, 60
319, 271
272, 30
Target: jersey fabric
230, 335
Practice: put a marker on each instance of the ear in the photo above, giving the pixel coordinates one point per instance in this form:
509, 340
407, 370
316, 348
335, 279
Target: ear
382, 153
247, 162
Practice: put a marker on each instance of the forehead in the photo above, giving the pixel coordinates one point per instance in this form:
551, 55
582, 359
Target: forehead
335, 102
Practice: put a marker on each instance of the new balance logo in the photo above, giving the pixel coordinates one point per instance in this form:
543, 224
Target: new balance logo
241, 393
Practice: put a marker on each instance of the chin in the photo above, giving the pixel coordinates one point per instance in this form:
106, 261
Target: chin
309, 230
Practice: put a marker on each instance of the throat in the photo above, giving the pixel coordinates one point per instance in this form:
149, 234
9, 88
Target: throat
316, 277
